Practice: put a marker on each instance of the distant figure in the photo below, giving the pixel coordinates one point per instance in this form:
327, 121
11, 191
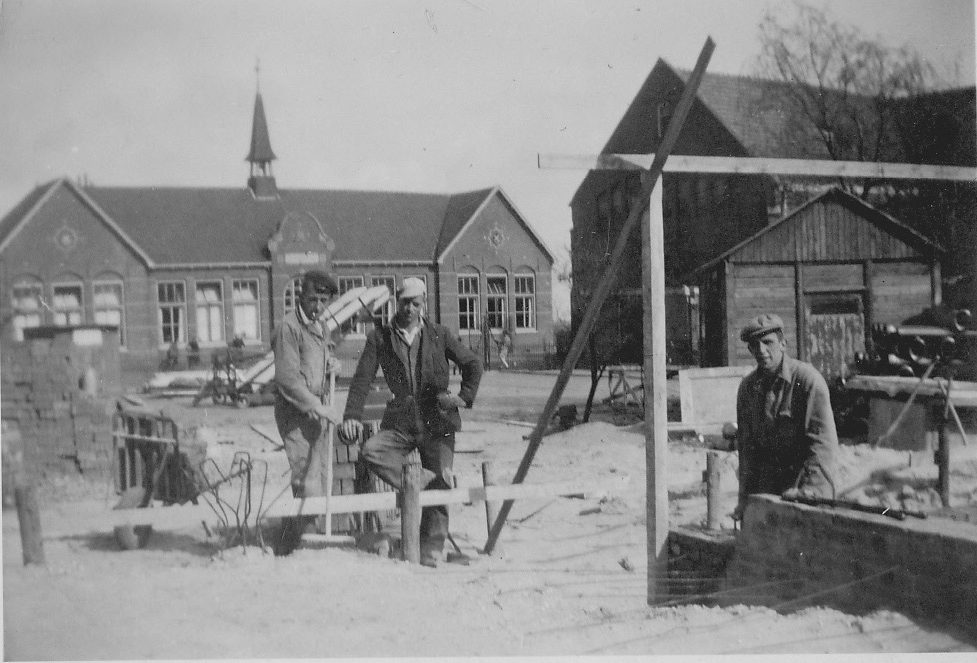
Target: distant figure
172, 357
786, 439
505, 344
193, 353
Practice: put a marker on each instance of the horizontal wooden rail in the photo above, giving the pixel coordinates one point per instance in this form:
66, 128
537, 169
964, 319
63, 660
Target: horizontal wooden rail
187, 515
681, 163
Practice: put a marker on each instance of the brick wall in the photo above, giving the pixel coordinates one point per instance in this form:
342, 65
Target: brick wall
791, 556
59, 389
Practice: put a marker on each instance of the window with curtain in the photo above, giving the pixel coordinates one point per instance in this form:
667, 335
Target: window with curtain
292, 292
109, 305
27, 297
209, 304
244, 300
66, 304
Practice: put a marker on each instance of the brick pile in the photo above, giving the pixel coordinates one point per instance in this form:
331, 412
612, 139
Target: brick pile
61, 396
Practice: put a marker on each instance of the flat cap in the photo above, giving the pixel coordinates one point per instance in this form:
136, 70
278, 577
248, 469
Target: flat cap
411, 287
760, 325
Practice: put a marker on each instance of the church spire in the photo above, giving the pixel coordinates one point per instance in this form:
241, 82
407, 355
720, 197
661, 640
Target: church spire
261, 180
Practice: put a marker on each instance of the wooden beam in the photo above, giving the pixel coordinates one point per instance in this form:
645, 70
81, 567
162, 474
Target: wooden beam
656, 417
607, 279
681, 163
186, 515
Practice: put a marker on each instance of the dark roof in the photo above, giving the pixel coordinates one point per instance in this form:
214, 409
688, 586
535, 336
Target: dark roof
260, 142
13, 217
231, 226
893, 225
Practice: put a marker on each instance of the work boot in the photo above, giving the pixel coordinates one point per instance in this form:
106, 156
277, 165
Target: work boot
431, 553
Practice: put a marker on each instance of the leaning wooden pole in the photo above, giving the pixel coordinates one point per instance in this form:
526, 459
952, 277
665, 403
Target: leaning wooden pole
607, 280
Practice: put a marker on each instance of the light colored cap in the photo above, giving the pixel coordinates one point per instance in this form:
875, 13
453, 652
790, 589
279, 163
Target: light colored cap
760, 326
412, 287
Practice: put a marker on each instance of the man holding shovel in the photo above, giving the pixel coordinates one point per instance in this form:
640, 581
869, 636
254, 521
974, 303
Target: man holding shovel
303, 400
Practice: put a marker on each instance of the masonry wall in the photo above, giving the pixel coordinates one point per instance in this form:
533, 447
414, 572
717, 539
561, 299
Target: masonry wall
60, 394
791, 555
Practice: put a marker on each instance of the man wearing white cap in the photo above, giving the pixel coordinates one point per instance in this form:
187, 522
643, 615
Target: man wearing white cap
786, 431
414, 354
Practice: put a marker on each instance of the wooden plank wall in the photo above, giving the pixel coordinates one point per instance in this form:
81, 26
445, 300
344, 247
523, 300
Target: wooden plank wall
825, 232
762, 289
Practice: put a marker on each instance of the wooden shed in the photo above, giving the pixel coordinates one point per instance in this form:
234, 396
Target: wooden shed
831, 269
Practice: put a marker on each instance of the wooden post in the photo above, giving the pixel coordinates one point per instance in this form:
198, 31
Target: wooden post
328, 454
800, 313
943, 452
25, 495
491, 508
607, 279
656, 418
713, 518
410, 513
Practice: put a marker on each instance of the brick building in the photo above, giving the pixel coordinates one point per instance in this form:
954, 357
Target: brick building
169, 265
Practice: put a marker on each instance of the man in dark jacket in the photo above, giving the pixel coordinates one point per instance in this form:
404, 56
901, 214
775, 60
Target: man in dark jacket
786, 439
414, 355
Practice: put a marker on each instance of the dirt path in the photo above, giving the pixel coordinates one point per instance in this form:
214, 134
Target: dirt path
572, 579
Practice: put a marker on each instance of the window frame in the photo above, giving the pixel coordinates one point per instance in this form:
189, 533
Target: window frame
37, 286
181, 324
291, 294
120, 307
254, 304
529, 298
381, 318
209, 306
355, 327
474, 315
503, 298
56, 310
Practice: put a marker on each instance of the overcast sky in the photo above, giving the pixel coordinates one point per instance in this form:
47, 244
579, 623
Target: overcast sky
436, 95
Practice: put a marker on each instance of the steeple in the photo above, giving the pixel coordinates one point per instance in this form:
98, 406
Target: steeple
261, 180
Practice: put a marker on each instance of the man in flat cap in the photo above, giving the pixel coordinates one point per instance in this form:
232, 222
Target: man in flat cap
786, 432
303, 362
414, 354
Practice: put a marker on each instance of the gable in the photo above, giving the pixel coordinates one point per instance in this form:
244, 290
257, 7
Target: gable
63, 234
497, 236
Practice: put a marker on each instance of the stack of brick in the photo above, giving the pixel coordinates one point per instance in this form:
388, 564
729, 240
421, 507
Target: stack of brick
795, 555
60, 388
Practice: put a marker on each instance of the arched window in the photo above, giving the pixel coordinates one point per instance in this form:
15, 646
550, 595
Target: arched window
468, 303
496, 300
27, 297
108, 303
524, 292
67, 301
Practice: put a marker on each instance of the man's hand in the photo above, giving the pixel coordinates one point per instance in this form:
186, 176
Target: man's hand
350, 430
793, 494
448, 401
328, 413
333, 365
738, 511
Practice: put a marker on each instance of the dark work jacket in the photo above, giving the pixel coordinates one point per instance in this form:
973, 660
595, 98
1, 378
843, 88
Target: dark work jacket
415, 412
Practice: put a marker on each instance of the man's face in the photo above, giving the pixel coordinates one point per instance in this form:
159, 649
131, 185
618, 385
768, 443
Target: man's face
314, 303
409, 310
768, 350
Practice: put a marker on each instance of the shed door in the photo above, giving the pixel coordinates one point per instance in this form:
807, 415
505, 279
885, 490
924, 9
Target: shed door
835, 331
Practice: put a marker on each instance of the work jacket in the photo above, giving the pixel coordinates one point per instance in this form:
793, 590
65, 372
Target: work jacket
415, 411
302, 351
786, 431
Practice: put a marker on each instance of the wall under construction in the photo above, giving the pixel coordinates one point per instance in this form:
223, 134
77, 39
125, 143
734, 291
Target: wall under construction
790, 555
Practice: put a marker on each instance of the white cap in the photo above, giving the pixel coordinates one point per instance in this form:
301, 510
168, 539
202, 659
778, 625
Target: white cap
412, 287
